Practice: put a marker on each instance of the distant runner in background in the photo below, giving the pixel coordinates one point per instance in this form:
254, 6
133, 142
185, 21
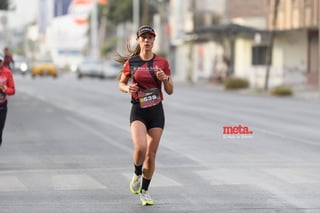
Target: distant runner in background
8, 59
6, 88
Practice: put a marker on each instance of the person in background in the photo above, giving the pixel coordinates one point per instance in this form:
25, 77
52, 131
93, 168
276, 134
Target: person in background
8, 59
148, 73
6, 88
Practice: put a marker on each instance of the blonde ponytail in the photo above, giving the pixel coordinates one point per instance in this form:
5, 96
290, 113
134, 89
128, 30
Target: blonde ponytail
130, 53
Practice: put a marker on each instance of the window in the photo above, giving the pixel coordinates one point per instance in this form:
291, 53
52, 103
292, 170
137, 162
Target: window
259, 55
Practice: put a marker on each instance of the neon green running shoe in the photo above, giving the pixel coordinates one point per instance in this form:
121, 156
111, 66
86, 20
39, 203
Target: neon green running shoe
145, 198
135, 184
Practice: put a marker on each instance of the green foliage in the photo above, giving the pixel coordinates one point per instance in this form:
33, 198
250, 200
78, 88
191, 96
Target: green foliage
119, 11
281, 91
109, 46
122, 11
235, 83
4, 4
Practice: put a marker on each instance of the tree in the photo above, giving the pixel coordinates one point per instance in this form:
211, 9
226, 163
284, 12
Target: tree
116, 12
5, 5
271, 42
122, 11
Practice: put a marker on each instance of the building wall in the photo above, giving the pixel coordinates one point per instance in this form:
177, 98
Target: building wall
178, 9
248, 13
290, 52
241, 8
294, 46
256, 73
208, 62
299, 14
289, 61
181, 63
243, 54
293, 14
217, 6
180, 20
295, 57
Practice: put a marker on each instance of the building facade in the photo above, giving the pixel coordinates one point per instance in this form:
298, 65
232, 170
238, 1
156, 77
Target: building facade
238, 43
303, 16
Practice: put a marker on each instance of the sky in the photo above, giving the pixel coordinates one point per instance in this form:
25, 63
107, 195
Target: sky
25, 12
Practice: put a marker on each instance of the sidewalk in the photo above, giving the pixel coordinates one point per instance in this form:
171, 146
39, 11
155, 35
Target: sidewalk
298, 93
307, 94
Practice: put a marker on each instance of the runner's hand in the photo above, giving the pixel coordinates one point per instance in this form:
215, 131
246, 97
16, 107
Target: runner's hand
161, 75
133, 88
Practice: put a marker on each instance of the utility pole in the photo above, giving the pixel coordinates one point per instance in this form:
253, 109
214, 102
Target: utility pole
145, 15
191, 44
136, 18
94, 30
271, 42
319, 47
4, 23
103, 26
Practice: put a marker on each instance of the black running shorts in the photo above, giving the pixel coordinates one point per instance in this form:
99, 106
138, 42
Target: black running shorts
151, 117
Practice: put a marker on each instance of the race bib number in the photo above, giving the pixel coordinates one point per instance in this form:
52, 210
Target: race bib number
149, 97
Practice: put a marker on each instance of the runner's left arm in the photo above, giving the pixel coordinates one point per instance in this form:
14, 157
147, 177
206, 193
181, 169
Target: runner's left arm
9, 87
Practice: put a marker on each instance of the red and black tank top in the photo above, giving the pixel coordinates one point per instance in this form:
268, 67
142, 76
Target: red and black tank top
144, 72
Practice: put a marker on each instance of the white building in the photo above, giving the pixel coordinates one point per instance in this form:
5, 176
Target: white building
236, 45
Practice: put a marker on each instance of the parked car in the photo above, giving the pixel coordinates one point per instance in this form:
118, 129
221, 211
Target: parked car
44, 66
111, 69
90, 68
98, 68
20, 66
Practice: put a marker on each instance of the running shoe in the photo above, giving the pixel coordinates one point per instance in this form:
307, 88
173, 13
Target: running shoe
135, 184
145, 198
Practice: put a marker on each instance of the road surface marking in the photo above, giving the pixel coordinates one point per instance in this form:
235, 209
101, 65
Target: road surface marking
75, 182
11, 183
158, 180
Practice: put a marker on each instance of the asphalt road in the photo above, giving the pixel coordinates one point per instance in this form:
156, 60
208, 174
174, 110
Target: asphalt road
67, 148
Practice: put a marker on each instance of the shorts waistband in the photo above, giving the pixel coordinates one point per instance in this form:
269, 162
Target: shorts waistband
133, 101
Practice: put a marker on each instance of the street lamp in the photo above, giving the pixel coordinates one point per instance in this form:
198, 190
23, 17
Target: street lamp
94, 29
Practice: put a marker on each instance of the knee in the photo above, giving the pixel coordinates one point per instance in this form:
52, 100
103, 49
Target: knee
150, 158
141, 151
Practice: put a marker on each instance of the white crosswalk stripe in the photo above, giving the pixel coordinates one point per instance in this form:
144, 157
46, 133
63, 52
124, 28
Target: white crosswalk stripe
75, 182
159, 180
11, 183
294, 176
46, 180
260, 176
